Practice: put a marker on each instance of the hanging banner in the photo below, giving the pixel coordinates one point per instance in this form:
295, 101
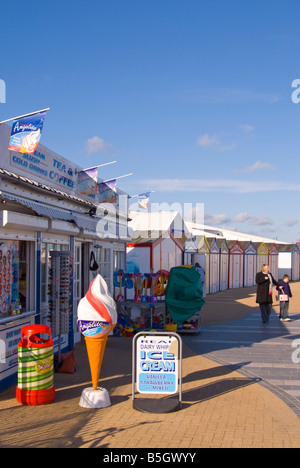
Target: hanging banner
143, 200
87, 182
26, 133
107, 192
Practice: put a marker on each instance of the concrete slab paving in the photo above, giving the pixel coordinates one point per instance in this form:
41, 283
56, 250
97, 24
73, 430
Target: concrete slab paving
226, 400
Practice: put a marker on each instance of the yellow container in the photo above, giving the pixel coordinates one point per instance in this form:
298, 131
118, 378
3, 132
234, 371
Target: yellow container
172, 327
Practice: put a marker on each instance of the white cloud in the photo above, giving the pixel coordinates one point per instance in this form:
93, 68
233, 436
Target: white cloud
242, 217
261, 221
218, 185
215, 141
212, 141
246, 128
95, 144
207, 141
258, 166
216, 219
290, 222
227, 147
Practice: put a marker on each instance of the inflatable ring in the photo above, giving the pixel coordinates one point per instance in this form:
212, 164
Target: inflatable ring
160, 282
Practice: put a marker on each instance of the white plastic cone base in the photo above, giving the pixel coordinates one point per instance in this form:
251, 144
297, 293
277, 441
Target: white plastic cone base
91, 398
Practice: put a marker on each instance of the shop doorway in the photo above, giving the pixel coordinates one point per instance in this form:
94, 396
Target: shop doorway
85, 271
27, 275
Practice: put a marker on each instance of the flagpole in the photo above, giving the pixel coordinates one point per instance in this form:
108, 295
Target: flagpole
116, 178
25, 115
100, 165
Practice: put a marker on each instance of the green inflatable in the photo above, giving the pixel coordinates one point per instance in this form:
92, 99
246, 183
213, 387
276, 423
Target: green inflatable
184, 293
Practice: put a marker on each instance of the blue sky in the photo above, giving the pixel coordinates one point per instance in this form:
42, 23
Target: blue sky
193, 97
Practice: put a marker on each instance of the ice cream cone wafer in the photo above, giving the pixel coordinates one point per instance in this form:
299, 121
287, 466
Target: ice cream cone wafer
95, 349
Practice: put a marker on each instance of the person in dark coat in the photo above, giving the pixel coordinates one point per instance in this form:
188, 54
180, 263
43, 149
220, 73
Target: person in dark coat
265, 283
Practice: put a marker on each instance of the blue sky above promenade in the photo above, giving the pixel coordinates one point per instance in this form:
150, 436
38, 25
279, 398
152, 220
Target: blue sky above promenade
193, 97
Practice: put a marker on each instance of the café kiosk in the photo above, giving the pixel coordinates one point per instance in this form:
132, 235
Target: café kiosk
41, 212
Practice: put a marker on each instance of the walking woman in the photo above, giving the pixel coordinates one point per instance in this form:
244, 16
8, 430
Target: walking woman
265, 283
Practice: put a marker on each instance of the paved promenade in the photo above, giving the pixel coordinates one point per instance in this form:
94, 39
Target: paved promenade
270, 352
241, 388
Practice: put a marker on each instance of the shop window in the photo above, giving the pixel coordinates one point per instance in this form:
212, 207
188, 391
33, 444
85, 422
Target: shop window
9, 276
105, 266
17, 259
119, 260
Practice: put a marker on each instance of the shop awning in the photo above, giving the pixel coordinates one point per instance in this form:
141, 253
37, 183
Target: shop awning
88, 224
107, 229
40, 208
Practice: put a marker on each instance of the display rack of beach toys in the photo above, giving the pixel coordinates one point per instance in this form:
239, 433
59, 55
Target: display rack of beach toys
141, 304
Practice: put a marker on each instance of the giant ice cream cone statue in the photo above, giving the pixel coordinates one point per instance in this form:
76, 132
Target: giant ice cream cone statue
96, 317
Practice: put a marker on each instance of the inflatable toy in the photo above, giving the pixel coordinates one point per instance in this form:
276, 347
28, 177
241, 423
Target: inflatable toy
138, 286
153, 297
147, 285
128, 280
120, 296
161, 282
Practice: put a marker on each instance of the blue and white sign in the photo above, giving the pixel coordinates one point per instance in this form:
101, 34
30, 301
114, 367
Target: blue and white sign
26, 133
44, 165
157, 364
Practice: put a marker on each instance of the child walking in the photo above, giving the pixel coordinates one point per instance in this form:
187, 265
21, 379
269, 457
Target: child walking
284, 305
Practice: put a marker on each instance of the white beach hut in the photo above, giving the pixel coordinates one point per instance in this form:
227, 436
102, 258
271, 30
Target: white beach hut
236, 264
224, 265
190, 248
262, 255
158, 242
214, 266
250, 268
295, 264
273, 259
202, 257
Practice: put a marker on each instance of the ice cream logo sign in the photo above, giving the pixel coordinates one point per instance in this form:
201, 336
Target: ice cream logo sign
25, 137
93, 327
26, 133
157, 364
